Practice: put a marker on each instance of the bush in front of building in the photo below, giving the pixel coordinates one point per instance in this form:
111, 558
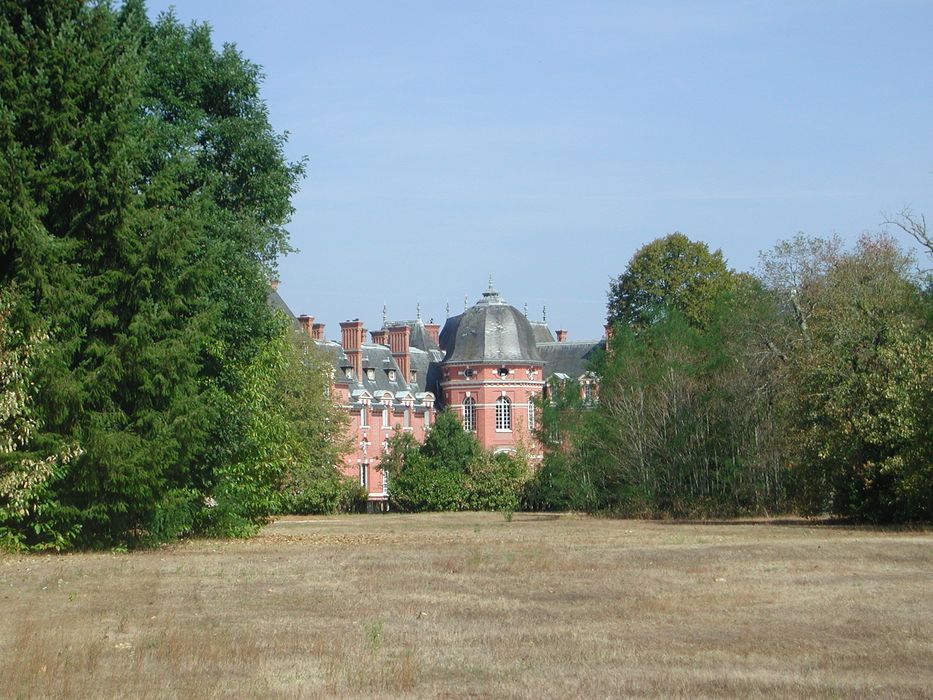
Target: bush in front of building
451, 471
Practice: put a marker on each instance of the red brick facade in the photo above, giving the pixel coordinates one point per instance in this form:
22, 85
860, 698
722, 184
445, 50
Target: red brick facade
487, 364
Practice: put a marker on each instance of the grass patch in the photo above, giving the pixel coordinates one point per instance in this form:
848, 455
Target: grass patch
475, 604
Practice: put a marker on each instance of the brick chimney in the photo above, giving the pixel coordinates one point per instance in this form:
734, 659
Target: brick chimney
317, 331
434, 332
274, 283
380, 337
351, 338
399, 337
305, 322
561, 335
608, 329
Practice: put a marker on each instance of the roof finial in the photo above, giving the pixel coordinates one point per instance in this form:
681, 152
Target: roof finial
418, 311
544, 313
464, 302
490, 282
526, 309
448, 309
385, 315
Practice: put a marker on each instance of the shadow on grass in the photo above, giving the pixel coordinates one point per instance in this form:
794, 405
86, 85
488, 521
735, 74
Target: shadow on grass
799, 521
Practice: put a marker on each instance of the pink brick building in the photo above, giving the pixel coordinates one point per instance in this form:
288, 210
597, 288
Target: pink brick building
487, 364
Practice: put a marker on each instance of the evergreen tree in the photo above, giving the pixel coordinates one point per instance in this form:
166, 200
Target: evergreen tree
144, 203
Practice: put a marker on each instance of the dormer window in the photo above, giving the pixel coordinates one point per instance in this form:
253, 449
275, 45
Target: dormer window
370, 374
414, 376
348, 372
391, 375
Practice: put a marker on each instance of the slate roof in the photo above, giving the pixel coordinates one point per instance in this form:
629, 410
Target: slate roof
569, 358
277, 302
542, 332
490, 331
419, 337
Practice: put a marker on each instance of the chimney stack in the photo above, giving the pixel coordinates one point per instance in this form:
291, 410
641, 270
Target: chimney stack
561, 335
317, 331
305, 322
351, 338
274, 283
380, 337
399, 337
608, 328
434, 332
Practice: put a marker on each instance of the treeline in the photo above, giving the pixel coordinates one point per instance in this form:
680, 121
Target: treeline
808, 387
147, 390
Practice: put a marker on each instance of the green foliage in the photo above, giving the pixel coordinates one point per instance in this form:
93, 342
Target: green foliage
496, 482
449, 446
451, 472
145, 199
26, 472
683, 425
670, 273
316, 442
860, 391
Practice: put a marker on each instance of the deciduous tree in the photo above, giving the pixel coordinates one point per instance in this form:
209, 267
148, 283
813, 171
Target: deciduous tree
672, 272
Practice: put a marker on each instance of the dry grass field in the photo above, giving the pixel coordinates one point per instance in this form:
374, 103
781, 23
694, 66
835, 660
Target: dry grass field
473, 605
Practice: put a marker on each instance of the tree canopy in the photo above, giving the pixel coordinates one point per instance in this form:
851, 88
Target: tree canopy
145, 199
672, 272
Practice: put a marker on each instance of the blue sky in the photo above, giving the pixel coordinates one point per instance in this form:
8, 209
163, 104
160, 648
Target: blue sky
545, 142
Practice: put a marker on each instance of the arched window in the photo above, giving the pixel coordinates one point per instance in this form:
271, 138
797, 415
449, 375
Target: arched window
503, 413
469, 414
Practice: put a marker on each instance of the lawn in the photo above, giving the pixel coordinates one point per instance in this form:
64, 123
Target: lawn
475, 605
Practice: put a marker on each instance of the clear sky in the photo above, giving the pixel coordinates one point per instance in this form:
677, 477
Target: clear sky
545, 142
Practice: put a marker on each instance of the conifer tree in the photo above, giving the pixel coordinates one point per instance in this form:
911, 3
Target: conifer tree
144, 198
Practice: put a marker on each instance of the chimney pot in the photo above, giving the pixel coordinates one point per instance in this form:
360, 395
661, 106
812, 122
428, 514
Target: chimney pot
434, 332
399, 338
351, 336
305, 322
561, 335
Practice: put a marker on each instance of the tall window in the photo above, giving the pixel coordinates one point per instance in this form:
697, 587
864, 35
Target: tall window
364, 475
588, 393
531, 414
406, 421
469, 414
386, 412
364, 421
503, 413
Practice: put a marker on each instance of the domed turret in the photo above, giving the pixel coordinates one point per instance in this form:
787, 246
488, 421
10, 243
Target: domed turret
491, 331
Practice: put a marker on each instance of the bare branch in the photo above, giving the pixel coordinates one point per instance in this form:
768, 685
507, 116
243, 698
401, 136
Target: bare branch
914, 226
